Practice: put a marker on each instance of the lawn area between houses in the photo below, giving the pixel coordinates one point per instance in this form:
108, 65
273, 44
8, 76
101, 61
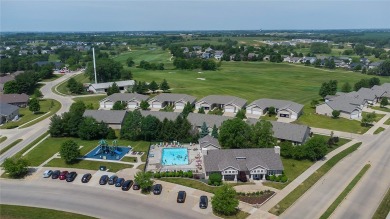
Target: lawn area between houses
24, 212
385, 109
51, 146
6, 148
88, 100
88, 165
377, 117
312, 119
293, 196
345, 192
47, 105
62, 89
384, 208
379, 130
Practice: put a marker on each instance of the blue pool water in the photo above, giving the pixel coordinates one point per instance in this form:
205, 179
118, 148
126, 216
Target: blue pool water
174, 156
97, 153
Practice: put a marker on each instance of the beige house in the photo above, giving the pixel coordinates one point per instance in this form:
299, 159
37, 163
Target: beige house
132, 100
113, 118
229, 104
284, 108
178, 101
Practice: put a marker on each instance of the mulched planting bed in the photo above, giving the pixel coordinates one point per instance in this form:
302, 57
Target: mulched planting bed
256, 199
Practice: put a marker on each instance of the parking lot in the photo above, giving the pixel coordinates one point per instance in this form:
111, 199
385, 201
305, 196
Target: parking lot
168, 195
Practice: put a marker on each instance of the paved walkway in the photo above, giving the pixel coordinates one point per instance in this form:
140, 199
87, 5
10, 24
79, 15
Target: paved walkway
378, 124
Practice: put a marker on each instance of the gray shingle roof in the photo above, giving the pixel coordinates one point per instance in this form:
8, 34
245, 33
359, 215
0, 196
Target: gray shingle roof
161, 115
165, 97
221, 99
218, 160
7, 109
197, 119
125, 97
108, 84
279, 104
14, 98
107, 116
209, 140
6, 78
287, 131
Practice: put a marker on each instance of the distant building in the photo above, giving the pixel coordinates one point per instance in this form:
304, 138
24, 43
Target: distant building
103, 87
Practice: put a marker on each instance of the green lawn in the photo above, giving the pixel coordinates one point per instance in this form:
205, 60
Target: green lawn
53, 77
138, 54
19, 154
3, 138
384, 208
379, 130
385, 109
6, 148
83, 78
141, 167
190, 183
270, 118
292, 169
50, 146
377, 117
129, 159
238, 215
94, 100
88, 165
345, 192
321, 121
287, 201
387, 122
23, 212
26, 115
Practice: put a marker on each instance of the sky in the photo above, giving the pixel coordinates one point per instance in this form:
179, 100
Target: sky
163, 15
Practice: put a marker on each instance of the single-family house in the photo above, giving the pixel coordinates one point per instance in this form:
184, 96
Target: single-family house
161, 115
103, 87
284, 108
218, 54
178, 101
206, 55
197, 120
295, 133
374, 64
209, 50
253, 163
8, 112
113, 118
228, 104
132, 100
208, 143
20, 100
310, 59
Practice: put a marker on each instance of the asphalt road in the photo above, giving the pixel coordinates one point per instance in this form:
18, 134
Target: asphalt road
365, 198
92, 201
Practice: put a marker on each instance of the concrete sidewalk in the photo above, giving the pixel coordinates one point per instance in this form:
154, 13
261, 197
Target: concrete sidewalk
377, 125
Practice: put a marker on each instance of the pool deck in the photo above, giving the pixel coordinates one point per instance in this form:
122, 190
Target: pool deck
194, 154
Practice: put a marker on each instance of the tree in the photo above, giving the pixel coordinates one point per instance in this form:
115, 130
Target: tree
38, 93
113, 89
346, 88
201, 110
384, 102
224, 200
16, 167
106, 70
164, 86
118, 105
214, 133
90, 129
144, 105
74, 86
271, 111
70, 151
56, 126
131, 127
188, 108
33, 105
153, 86
315, 148
130, 62
204, 130
144, 179
368, 119
215, 179
234, 133
263, 135
149, 127
241, 114
328, 88
314, 103
384, 68
374, 81
335, 114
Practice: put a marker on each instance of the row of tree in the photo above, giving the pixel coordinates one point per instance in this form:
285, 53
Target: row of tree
314, 149
151, 66
108, 70
330, 87
142, 87
195, 63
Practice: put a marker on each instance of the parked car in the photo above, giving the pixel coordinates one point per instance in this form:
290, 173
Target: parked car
71, 176
127, 185
47, 173
157, 189
203, 202
63, 175
55, 174
119, 182
181, 196
103, 180
112, 180
86, 178
136, 186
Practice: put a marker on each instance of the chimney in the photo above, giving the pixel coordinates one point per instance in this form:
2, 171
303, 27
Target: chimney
277, 150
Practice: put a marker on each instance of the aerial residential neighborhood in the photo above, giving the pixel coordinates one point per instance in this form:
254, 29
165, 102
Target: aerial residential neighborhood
194, 109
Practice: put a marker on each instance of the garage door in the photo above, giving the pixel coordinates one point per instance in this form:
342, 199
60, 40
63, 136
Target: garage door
205, 106
293, 116
108, 105
132, 105
229, 109
354, 115
256, 111
156, 105
179, 105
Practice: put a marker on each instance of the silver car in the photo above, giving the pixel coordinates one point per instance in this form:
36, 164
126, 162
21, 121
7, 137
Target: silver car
47, 173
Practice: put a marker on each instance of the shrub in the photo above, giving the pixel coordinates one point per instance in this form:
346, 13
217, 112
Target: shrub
284, 178
162, 174
267, 177
272, 178
216, 183
190, 175
157, 175
180, 173
215, 178
257, 193
177, 174
261, 192
185, 174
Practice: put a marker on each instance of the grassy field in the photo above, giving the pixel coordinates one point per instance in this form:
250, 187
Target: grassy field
345, 192
138, 54
384, 208
50, 146
385, 109
6, 148
23, 212
285, 203
88, 165
26, 115
94, 100
387, 122
19, 154
379, 130
129, 159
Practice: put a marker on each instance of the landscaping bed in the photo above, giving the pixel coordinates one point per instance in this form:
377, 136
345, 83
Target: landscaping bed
255, 197
88, 165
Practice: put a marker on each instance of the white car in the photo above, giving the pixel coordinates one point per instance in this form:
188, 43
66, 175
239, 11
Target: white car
47, 173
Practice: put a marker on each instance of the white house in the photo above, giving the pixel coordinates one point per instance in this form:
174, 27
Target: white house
102, 87
228, 104
284, 108
132, 100
178, 101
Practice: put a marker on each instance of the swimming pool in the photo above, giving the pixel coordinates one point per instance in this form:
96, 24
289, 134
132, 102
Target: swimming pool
174, 156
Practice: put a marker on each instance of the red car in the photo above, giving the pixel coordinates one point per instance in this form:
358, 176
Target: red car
63, 175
